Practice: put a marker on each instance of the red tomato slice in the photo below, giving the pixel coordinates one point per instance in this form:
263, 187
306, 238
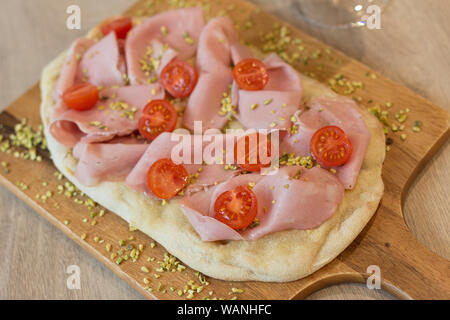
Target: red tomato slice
236, 208
165, 178
158, 116
178, 78
120, 26
251, 74
331, 147
81, 97
248, 151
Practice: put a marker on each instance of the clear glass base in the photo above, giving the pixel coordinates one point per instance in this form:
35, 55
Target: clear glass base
336, 13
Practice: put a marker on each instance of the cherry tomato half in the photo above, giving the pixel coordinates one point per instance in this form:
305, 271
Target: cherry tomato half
120, 26
165, 178
158, 116
178, 78
81, 97
331, 147
251, 74
248, 151
236, 208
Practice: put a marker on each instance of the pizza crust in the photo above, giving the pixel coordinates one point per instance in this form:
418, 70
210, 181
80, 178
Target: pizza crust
277, 257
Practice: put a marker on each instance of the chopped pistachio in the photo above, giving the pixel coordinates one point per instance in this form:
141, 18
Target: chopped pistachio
268, 101
255, 223
164, 30
187, 38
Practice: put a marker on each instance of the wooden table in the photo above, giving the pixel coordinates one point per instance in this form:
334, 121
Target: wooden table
412, 49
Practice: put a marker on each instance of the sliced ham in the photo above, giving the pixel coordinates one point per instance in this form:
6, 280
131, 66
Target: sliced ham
160, 148
116, 116
168, 28
164, 146
101, 63
307, 123
218, 49
276, 103
286, 201
338, 111
104, 63
205, 101
106, 161
162, 54
215, 76
240, 52
70, 68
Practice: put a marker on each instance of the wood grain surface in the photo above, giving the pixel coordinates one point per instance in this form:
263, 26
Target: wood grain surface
412, 49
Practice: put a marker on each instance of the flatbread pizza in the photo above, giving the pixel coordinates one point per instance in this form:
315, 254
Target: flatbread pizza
312, 213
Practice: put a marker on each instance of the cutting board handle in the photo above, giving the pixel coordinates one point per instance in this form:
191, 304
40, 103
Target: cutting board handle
408, 268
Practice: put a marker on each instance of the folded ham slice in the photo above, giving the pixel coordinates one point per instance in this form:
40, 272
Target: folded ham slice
101, 63
202, 175
70, 70
338, 111
159, 39
215, 76
106, 161
276, 103
286, 201
116, 115
104, 63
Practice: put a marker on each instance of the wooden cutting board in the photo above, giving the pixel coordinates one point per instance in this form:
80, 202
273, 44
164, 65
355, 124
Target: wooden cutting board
408, 269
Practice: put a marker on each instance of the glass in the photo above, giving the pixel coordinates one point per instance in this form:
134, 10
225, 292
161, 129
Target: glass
337, 13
